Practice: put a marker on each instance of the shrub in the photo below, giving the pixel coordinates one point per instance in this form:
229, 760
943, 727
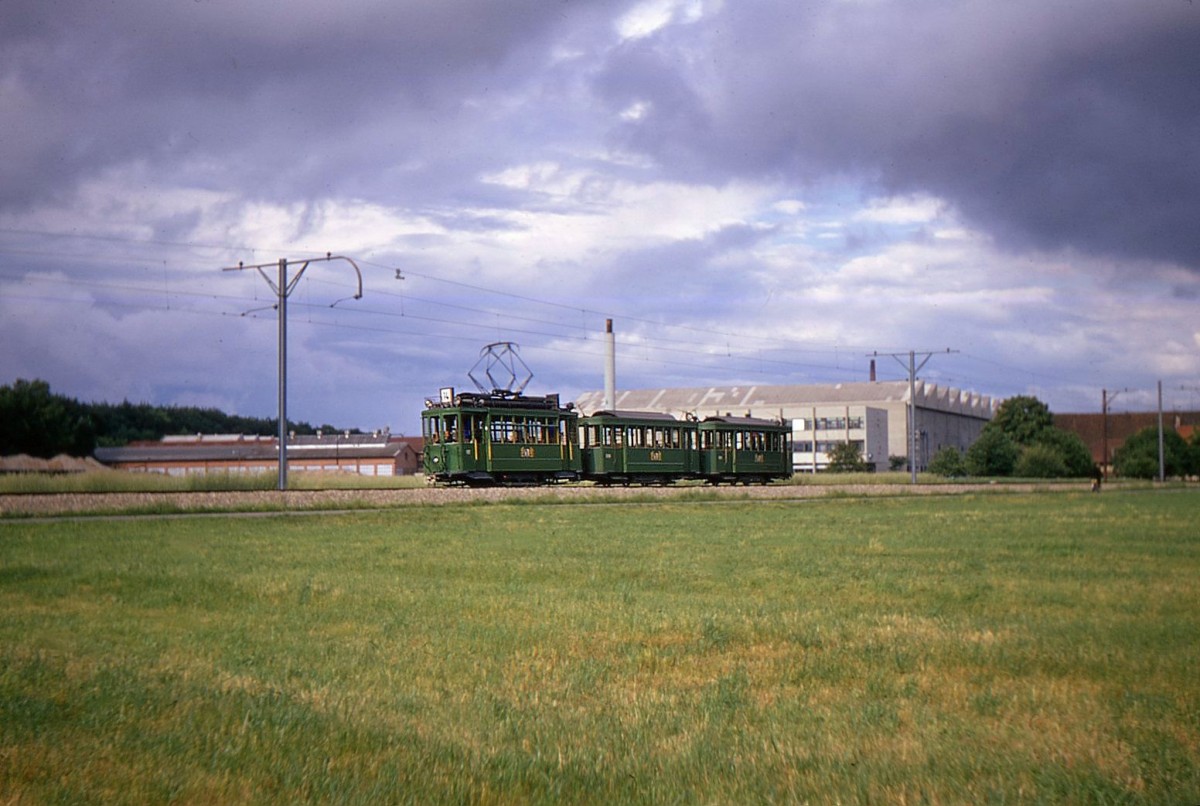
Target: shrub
846, 457
948, 462
993, 454
1041, 461
1071, 450
1138, 457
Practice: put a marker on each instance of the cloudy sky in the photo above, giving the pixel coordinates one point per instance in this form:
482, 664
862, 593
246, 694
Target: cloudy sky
755, 191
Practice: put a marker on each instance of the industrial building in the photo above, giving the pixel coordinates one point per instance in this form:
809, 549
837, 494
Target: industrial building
872, 414
378, 454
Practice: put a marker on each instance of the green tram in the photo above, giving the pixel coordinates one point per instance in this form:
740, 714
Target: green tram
506, 438
620, 447
745, 449
501, 438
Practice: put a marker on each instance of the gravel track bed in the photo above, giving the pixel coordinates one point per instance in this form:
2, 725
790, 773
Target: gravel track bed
301, 500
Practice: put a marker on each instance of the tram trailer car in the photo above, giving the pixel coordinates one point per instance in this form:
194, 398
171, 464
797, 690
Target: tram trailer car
503, 438
622, 447
744, 449
499, 438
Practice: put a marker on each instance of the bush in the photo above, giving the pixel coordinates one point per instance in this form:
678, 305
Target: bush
1041, 462
948, 462
993, 454
1070, 449
1138, 457
846, 457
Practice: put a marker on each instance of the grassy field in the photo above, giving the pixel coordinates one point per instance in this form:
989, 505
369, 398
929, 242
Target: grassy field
971, 649
117, 481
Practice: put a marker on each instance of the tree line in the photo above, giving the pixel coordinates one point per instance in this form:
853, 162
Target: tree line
1022, 440
36, 421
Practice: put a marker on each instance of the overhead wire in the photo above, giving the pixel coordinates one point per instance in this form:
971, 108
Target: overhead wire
724, 334
657, 342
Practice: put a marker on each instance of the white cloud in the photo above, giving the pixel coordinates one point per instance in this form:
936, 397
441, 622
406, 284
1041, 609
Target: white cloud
901, 210
646, 18
635, 111
654, 15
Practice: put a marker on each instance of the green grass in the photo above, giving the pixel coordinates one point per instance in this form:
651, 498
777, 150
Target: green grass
116, 481
973, 649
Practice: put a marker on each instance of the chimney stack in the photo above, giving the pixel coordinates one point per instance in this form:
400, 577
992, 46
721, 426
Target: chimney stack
610, 367
872, 370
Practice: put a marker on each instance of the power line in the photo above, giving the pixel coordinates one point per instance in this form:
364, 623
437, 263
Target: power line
723, 334
558, 329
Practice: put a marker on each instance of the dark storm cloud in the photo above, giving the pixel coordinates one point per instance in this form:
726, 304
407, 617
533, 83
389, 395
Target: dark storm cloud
297, 98
1050, 125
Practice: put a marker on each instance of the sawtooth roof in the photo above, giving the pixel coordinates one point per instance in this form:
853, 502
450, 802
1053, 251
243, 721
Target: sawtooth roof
706, 399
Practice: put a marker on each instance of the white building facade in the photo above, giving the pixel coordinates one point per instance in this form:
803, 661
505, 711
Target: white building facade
874, 414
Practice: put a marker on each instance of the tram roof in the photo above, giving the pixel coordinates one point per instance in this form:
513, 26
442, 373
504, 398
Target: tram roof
656, 416
746, 422
474, 400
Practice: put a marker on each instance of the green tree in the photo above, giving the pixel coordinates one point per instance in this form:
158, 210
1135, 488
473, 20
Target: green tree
1043, 451
36, 421
1023, 418
846, 457
993, 454
1138, 457
948, 462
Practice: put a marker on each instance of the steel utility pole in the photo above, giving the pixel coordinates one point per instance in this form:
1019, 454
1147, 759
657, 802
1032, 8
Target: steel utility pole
913, 368
1162, 459
283, 288
1105, 399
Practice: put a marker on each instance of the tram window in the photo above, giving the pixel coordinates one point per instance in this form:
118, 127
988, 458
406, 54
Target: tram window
503, 431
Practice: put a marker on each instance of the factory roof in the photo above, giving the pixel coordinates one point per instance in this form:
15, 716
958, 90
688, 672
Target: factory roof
722, 399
